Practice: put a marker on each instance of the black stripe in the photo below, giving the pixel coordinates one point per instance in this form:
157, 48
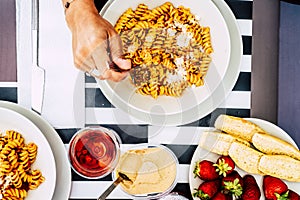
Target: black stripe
184, 153
241, 9
208, 121
66, 134
292, 1
95, 98
247, 45
180, 188
183, 189
99, 4
129, 134
9, 94
76, 177
238, 112
89, 79
244, 82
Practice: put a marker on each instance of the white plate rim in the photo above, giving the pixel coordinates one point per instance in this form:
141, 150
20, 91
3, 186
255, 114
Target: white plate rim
206, 107
266, 125
63, 171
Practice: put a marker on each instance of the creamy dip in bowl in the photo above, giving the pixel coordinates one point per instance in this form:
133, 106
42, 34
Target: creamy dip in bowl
152, 170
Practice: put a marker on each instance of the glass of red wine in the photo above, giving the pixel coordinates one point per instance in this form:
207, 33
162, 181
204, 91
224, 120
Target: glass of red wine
94, 152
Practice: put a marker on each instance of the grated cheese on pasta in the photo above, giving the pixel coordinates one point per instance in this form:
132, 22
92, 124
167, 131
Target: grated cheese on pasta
149, 38
5, 183
132, 48
171, 32
181, 71
179, 61
183, 40
8, 181
191, 55
178, 24
172, 78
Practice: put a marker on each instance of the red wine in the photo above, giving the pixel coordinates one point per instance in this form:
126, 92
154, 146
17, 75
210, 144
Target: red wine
92, 153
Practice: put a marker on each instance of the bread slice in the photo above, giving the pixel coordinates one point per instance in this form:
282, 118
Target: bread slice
237, 126
218, 142
280, 166
269, 144
245, 157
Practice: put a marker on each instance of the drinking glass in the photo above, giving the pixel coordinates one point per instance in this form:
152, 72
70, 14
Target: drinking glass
94, 152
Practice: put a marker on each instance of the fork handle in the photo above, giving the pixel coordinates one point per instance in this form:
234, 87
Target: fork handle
110, 188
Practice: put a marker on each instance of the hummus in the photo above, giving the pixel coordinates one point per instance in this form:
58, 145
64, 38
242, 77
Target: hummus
151, 170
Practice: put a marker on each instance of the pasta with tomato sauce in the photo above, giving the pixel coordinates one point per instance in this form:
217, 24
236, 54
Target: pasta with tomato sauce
168, 48
16, 174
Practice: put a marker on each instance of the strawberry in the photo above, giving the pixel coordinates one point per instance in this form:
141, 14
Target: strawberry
249, 180
233, 184
205, 170
293, 195
225, 165
274, 188
208, 189
251, 189
222, 196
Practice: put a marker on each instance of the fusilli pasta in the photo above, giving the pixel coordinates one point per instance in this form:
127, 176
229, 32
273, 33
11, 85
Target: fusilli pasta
168, 48
16, 174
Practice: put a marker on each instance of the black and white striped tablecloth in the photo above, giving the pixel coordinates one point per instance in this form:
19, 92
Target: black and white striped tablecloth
182, 139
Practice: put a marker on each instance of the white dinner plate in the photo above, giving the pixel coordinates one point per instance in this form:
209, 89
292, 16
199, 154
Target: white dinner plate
63, 170
197, 102
202, 154
11, 120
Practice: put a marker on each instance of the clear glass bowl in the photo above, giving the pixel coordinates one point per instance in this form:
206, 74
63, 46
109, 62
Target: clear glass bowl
94, 152
153, 170
173, 196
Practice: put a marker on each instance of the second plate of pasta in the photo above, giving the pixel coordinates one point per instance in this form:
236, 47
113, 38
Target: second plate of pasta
27, 163
188, 43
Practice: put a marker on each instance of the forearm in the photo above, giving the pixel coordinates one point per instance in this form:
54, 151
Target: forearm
78, 10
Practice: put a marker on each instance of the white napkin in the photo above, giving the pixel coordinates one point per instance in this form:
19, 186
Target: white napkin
64, 97
24, 55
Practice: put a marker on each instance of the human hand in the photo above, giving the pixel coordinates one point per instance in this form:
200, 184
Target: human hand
95, 43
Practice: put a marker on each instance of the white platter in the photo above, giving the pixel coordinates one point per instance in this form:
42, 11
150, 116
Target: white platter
195, 103
202, 154
11, 120
63, 170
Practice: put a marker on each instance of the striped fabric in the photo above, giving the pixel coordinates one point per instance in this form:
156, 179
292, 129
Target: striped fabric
182, 139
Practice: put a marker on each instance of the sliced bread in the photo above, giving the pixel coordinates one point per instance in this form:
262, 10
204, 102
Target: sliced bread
236, 126
280, 166
269, 144
218, 142
245, 157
